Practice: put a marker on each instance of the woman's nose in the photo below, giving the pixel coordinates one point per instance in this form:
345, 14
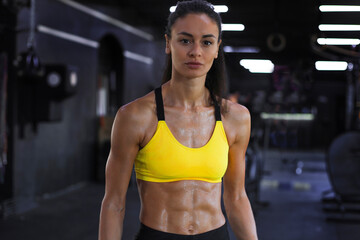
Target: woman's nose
195, 51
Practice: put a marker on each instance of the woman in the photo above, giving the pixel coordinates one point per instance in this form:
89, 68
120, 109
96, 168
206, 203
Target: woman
184, 139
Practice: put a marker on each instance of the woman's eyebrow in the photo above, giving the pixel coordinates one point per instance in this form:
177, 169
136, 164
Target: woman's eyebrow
185, 33
208, 35
190, 35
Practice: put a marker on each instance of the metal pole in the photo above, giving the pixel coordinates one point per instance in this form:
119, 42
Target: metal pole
357, 94
31, 39
349, 101
3, 108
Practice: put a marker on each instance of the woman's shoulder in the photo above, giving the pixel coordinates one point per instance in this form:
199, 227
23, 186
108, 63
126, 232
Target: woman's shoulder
236, 119
141, 108
235, 112
132, 121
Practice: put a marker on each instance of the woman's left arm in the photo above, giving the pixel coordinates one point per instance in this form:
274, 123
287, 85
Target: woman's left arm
237, 205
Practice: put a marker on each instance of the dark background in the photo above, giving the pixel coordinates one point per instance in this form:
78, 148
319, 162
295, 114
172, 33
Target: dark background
58, 139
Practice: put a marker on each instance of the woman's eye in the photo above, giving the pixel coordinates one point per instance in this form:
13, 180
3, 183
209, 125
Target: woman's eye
207, 43
185, 41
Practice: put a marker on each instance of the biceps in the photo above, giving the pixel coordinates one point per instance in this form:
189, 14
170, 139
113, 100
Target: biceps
234, 179
119, 169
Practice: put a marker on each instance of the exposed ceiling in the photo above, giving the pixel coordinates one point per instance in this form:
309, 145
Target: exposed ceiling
283, 30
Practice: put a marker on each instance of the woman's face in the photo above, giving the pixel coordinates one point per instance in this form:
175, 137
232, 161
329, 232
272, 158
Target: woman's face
193, 45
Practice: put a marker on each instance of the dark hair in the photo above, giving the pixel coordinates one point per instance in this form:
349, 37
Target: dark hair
216, 77
193, 6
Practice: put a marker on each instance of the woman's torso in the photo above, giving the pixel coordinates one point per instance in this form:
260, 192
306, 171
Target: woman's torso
187, 206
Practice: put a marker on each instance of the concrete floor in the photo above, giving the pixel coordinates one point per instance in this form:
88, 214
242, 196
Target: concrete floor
294, 208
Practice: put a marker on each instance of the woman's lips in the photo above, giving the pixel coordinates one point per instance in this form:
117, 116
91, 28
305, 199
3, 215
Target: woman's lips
193, 65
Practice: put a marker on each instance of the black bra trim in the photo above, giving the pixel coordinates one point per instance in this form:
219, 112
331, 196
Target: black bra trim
160, 106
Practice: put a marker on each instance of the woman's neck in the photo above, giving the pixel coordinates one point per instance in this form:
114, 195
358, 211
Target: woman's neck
188, 93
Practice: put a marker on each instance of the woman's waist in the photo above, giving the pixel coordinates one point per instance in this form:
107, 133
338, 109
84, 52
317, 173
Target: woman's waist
185, 207
180, 196
182, 222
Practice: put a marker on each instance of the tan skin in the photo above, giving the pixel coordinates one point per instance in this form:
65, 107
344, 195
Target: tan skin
182, 207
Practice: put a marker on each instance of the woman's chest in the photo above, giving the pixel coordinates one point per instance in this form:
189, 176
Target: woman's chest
191, 128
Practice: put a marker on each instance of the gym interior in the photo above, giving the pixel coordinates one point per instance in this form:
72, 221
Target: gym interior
67, 66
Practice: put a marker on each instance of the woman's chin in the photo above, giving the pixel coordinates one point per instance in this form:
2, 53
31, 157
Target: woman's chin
194, 74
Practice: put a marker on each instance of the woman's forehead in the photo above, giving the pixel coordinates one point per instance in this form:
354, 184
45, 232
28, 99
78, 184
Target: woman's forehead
195, 24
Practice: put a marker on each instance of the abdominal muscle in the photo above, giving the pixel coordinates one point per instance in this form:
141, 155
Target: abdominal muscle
183, 207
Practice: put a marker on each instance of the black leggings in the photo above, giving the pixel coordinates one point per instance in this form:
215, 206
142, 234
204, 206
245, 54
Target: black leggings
146, 233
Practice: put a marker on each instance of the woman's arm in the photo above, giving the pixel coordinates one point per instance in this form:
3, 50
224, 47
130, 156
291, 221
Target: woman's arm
125, 138
236, 202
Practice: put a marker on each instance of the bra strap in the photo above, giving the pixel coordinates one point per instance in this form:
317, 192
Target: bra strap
217, 112
217, 107
159, 104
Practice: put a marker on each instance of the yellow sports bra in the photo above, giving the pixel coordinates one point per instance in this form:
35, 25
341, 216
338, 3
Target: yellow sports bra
164, 159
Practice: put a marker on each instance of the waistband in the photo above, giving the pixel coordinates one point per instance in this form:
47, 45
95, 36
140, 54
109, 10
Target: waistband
147, 233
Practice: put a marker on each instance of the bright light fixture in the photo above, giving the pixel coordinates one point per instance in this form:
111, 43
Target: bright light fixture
339, 27
221, 8
338, 41
217, 8
230, 49
232, 27
257, 65
339, 8
331, 65
288, 116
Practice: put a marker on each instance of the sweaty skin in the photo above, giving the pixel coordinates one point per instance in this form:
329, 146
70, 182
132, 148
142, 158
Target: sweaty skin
182, 207
186, 207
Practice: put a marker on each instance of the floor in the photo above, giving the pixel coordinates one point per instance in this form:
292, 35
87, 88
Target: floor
288, 207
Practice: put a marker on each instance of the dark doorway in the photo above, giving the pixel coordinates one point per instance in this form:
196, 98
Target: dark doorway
109, 95
7, 96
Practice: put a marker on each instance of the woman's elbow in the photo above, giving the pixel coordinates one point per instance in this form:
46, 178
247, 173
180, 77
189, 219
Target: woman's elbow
112, 204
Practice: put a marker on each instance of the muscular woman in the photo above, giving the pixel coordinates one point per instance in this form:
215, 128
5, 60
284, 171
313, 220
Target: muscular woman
185, 141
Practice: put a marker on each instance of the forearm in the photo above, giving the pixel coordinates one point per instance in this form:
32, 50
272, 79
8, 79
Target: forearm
111, 221
241, 218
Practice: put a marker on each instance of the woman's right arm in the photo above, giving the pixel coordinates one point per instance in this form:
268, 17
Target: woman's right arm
125, 138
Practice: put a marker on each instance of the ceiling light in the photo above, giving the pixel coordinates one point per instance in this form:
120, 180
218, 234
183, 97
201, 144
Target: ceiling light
217, 8
257, 65
331, 65
339, 8
339, 27
230, 49
288, 116
338, 41
232, 27
221, 8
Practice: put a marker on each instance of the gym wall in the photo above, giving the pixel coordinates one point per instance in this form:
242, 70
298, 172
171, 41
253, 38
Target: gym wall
59, 154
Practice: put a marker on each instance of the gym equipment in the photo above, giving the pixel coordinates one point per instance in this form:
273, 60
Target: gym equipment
61, 81
342, 202
41, 87
254, 170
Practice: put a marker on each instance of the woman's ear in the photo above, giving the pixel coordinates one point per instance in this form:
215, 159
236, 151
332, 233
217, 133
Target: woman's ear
167, 47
